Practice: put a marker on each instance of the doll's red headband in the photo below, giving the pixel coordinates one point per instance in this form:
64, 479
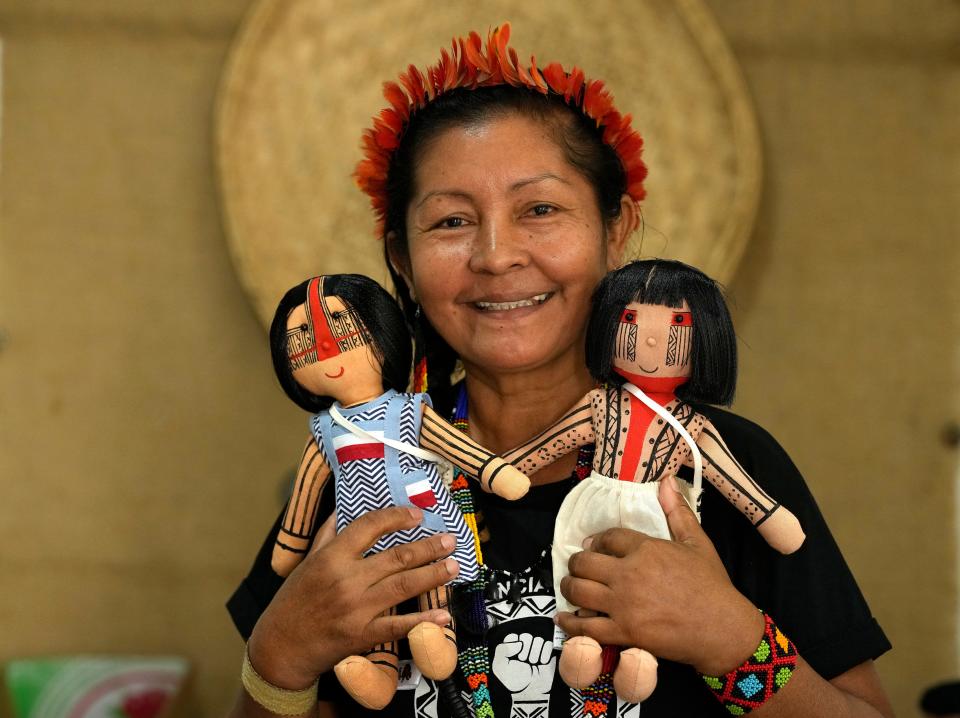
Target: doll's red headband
470, 65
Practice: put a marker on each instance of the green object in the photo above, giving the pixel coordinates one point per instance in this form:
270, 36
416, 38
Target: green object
94, 686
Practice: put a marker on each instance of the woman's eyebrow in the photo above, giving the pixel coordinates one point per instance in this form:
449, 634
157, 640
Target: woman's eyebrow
533, 180
442, 193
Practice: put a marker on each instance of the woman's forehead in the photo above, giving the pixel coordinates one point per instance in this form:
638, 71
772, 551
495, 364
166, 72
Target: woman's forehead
509, 148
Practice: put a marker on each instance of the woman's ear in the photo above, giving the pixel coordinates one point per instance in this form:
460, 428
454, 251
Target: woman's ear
400, 262
620, 230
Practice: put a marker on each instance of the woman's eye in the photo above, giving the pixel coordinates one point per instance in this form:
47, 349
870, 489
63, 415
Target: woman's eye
541, 210
449, 223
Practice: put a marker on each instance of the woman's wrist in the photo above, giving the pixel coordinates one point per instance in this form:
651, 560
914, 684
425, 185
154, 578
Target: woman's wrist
728, 647
277, 661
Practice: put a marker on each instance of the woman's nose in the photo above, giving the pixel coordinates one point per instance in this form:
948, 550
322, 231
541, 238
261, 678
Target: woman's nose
499, 247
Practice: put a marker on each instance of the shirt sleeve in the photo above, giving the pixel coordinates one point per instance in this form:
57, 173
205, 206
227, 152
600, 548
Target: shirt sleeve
261, 584
811, 594
257, 589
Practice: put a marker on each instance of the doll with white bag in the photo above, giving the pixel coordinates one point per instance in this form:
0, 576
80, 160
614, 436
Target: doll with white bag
659, 339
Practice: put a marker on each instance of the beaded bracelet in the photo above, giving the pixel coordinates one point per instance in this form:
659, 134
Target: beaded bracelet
281, 701
753, 683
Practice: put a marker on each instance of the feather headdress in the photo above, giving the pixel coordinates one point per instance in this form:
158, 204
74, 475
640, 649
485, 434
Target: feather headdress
469, 64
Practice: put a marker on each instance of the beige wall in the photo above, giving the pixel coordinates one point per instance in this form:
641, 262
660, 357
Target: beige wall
143, 445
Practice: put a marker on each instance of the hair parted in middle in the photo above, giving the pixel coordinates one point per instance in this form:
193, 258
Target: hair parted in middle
713, 358
381, 317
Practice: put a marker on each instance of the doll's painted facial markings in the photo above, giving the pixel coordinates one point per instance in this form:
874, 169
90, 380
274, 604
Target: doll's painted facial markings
680, 339
300, 347
334, 330
335, 376
627, 335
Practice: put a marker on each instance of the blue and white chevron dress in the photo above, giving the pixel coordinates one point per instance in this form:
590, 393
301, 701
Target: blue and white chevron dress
370, 475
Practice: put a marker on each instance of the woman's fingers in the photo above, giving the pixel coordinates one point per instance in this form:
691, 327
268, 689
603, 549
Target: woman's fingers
362, 534
600, 628
325, 534
397, 587
412, 555
586, 594
616, 542
594, 566
397, 626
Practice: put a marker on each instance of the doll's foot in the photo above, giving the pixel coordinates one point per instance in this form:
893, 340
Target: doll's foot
372, 685
434, 650
504, 480
636, 675
581, 661
782, 531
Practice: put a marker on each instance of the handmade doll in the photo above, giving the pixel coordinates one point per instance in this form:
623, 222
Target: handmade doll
341, 350
659, 336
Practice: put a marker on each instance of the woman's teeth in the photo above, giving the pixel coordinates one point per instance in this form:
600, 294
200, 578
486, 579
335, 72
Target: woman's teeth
504, 306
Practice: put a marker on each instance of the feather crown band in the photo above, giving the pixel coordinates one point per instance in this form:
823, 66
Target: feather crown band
470, 65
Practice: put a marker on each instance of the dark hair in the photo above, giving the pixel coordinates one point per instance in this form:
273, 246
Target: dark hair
381, 317
576, 134
713, 358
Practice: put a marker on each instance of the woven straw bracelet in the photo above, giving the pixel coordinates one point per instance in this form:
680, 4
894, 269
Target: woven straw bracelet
277, 700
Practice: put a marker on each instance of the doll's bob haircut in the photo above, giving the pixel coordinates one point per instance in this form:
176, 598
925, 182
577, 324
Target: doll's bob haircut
381, 317
713, 357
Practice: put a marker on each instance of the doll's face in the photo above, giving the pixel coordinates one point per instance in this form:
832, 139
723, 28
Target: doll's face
329, 348
654, 340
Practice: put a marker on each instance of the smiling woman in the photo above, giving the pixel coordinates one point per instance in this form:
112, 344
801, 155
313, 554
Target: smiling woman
505, 195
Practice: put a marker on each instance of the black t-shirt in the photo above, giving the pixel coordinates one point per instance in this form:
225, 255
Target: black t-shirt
811, 594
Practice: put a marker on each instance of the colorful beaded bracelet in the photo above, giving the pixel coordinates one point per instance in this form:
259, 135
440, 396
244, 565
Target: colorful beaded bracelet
754, 682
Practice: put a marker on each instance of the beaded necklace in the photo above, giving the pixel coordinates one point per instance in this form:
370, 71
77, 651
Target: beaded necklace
474, 655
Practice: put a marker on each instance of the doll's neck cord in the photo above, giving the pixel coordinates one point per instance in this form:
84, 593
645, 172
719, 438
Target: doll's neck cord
393, 444
679, 428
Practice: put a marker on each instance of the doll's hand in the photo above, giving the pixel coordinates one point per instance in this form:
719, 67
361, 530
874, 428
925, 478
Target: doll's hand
504, 480
330, 605
673, 598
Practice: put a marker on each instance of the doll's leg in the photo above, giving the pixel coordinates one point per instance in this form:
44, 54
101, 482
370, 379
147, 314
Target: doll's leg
635, 676
371, 679
581, 662
433, 647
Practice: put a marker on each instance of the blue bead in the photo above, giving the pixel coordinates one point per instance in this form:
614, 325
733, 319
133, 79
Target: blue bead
750, 685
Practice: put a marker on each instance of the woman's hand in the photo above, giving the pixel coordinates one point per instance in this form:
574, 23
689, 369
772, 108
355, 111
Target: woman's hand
331, 604
673, 598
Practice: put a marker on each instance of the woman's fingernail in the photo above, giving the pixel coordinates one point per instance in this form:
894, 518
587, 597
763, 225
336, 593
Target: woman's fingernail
453, 568
672, 483
444, 617
415, 513
448, 541
587, 543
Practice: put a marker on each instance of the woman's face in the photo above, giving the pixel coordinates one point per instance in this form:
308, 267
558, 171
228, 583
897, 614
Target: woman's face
506, 244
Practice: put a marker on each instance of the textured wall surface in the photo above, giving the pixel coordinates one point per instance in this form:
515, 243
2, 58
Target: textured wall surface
143, 446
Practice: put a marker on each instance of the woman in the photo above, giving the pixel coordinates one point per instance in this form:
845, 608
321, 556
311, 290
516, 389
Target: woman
503, 204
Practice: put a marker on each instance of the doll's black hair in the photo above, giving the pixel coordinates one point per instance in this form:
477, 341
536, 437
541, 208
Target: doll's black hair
381, 317
713, 357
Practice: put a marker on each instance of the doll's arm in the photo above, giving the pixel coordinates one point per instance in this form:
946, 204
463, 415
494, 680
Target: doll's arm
299, 521
778, 526
573, 430
494, 474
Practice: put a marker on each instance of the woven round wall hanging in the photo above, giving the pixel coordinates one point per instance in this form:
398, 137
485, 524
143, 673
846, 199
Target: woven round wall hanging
304, 78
